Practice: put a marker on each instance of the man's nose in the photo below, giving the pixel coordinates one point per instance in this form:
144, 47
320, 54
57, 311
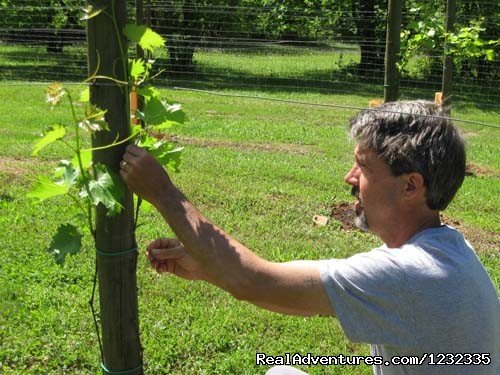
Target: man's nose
352, 177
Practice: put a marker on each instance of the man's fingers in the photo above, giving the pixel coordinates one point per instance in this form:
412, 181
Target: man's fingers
170, 253
134, 150
163, 243
128, 158
131, 155
154, 245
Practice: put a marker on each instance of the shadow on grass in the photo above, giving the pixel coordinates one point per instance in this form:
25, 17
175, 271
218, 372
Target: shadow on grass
341, 81
23, 63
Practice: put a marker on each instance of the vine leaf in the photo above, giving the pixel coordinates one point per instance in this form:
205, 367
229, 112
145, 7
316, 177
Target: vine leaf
106, 188
84, 95
94, 120
67, 240
137, 68
54, 93
490, 54
67, 172
161, 114
46, 188
148, 92
167, 155
86, 157
144, 36
157, 111
52, 134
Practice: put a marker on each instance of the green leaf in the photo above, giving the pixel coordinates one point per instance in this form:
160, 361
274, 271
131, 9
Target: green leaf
137, 68
86, 157
147, 141
46, 188
175, 113
67, 240
84, 96
106, 188
154, 111
144, 36
167, 155
54, 93
67, 172
148, 92
94, 119
163, 126
413, 25
52, 134
135, 129
490, 54
158, 112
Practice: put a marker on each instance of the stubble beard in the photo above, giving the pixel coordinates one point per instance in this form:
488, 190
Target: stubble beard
361, 221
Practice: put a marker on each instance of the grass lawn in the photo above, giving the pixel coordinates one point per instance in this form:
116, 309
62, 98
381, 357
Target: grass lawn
259, 169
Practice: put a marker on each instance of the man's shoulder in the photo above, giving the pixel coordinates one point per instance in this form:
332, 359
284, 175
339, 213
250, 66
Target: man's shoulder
443, 236
435, 252
440, 253
442, 244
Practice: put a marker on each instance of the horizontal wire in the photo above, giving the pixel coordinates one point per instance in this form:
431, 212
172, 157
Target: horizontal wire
44, 83
230, 9
77, 68
288, 87
65, 38
458, 82
329, 105
289, 101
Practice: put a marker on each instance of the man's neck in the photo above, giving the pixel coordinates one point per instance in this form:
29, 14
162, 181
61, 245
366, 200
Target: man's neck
407, 227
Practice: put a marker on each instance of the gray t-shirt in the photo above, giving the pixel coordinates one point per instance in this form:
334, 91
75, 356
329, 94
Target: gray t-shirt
432, 295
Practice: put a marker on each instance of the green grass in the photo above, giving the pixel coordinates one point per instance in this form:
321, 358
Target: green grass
281, 63
260, 170
263, 67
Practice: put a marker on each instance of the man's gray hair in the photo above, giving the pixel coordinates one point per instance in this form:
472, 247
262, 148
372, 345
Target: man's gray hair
414, 136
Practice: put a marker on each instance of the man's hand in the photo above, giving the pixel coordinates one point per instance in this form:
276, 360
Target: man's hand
143, 174
169, 255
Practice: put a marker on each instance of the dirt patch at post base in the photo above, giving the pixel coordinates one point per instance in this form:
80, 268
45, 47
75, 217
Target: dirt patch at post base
344, 213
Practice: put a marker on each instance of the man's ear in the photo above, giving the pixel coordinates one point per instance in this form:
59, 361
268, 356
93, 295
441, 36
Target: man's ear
414, 185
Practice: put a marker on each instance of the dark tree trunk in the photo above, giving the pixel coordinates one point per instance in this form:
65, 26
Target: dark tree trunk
372, 54
55, 43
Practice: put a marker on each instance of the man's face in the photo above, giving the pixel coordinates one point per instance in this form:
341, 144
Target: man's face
376, 189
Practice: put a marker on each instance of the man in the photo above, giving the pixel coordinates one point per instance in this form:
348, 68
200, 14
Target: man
422, 293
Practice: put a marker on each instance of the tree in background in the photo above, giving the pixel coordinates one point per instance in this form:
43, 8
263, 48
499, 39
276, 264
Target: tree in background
370, 19
53, 23
474, 44
188, 24
230, 24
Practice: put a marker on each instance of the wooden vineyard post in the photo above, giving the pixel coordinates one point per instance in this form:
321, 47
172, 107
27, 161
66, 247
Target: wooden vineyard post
115, 238
447, 82
392, 48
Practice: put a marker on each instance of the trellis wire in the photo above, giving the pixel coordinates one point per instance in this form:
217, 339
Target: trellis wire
328, 63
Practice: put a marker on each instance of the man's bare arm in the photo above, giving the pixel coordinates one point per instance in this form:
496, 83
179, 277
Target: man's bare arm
293, 287
289, 288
